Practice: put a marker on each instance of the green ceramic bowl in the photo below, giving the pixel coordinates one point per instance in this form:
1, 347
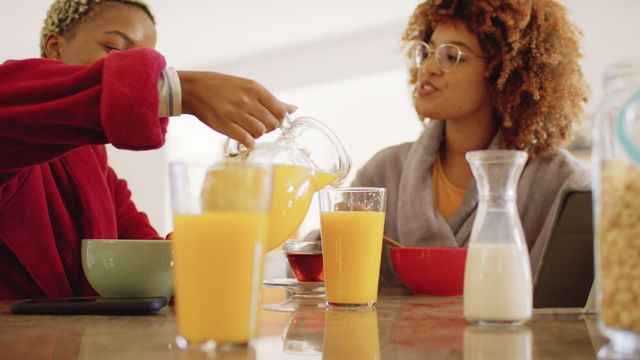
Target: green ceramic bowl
128, 268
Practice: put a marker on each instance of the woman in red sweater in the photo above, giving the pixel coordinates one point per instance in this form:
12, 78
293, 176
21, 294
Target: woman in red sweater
100, 82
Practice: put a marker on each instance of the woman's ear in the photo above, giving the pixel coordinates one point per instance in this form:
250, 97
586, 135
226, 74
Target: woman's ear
52, 46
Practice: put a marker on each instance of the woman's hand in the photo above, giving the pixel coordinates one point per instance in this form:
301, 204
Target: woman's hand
239, 108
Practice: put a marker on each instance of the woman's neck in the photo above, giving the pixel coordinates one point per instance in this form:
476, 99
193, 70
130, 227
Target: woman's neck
461, 137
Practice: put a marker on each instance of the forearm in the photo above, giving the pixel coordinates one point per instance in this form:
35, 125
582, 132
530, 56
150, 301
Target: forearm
48, 108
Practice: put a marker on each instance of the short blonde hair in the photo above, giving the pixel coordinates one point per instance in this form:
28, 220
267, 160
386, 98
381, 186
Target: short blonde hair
63, 15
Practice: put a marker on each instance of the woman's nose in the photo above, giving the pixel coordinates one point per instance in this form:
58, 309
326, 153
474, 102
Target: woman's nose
430, 66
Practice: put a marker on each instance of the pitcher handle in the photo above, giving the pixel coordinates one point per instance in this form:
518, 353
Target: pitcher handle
233, 148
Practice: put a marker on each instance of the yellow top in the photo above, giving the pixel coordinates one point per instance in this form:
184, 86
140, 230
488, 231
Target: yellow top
446, 197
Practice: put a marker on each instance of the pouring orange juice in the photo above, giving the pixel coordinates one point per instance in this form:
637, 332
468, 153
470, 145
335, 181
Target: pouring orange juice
307, 156
293, 188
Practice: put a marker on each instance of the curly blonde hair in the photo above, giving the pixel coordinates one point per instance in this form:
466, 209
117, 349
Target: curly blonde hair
532, 50
63, 15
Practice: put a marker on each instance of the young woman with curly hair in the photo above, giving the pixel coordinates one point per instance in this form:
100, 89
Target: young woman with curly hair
99, 82
486, 75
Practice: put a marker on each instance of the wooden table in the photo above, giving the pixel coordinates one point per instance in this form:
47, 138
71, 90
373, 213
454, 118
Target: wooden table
401, 327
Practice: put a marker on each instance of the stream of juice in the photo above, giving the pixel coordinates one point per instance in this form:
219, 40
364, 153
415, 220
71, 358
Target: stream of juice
293, 188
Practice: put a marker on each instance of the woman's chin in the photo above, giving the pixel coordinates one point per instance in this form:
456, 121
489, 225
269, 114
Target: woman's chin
427, 114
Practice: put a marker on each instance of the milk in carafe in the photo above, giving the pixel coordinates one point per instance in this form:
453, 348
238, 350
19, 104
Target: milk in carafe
494, 269
497, 281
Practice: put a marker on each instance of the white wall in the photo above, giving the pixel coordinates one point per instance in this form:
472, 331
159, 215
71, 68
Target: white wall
610, 33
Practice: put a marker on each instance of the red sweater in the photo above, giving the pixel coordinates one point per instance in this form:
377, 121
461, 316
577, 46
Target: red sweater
56, 186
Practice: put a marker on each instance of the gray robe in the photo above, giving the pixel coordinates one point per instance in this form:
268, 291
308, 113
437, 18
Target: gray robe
412, 219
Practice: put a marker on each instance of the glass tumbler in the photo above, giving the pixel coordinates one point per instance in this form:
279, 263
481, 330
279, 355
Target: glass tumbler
220, 215
351, 226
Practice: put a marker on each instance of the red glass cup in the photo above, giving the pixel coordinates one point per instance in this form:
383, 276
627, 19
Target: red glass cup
305, 259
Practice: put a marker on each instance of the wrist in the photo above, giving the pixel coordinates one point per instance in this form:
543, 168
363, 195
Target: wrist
169, 93
186, 82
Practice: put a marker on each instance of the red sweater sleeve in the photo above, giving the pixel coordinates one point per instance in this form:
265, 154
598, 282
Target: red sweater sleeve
48, 108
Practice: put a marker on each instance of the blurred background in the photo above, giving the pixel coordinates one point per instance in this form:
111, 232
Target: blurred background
338, 61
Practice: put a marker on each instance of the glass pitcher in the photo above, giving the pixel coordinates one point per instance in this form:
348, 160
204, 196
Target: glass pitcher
616, 192
307, 156
497, 278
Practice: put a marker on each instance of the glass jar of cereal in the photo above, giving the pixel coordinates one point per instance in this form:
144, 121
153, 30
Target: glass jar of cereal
616, 189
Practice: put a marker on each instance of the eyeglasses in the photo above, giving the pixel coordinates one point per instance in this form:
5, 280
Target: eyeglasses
447, 55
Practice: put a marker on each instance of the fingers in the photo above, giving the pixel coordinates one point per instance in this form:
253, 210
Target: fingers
238, 133
265, 117
290, 108
277, 108
252, 125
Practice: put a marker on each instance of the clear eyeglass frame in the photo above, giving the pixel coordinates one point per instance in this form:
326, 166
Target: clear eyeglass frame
447, 55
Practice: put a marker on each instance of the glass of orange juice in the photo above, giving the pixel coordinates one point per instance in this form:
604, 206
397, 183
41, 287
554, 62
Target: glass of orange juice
220, 215
351, 226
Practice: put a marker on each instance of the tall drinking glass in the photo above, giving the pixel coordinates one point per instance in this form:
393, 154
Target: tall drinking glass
351, 226
221, 215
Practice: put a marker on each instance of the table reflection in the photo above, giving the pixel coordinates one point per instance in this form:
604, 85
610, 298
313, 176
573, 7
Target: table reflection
41, 339
237, 353
61, 337
572, 329
421, 326
351, 335
400, 327
489, 343
111, 338
304, 333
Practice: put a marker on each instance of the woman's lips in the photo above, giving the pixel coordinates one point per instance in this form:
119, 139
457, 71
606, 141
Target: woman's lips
426, 89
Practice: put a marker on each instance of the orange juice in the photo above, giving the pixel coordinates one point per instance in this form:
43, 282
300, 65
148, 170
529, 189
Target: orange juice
351, 246
218, 301
322, 179
351, 335
293, 188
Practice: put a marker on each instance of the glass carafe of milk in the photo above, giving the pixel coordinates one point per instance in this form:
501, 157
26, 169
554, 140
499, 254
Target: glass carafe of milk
497, 279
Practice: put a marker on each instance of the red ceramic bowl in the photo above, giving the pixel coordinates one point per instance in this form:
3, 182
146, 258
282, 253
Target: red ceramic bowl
435, 271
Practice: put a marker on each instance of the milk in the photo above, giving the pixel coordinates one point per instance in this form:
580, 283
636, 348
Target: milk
497, 283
